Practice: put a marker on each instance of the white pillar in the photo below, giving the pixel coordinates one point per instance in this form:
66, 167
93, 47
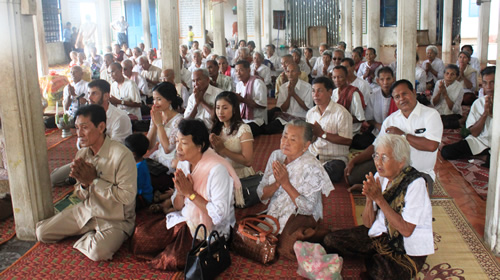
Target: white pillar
407, 40
21, 105
268, 22
447, 24
373, 20
169, 34
242, 19
424, 14
432, 21
219, 38
41, 47
357, 24
348, 24
492, 223
103, 21
257, 25
146, 26
484, 33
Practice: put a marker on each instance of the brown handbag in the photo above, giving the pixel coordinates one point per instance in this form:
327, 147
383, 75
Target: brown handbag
254, 242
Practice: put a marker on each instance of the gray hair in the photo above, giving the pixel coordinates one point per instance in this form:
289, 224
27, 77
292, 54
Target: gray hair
297, 51
208, 47
244, 49
183, 46
259, 54
203, 71
339, 51
399, 146
308, 132
197, 52
432, 48
222, 57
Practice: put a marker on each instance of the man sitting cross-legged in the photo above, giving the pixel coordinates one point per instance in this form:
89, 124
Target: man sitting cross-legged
106, 177
332, 125
124, 92
479, 122
293, 102
420, 125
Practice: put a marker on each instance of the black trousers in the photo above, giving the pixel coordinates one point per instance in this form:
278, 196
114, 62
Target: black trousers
459, 150
256, 129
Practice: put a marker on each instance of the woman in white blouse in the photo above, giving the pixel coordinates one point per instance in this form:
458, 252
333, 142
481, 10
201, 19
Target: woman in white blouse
231, 137
164, 122
294, 181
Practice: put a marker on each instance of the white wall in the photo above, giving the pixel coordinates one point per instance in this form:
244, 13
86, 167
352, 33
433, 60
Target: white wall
55, 53
388, 36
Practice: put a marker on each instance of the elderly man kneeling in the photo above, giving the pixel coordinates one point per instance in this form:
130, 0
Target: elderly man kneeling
396, 235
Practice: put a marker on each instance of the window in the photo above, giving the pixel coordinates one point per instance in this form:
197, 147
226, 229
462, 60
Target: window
388, 13
52, 20
473, 9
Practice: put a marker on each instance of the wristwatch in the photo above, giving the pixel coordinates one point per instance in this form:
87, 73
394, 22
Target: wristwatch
324, 135
123, 102
192, 196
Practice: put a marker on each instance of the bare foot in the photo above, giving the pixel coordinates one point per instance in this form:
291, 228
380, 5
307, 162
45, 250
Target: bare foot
355, 188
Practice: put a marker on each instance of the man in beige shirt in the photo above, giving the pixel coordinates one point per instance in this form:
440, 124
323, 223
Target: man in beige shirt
150, 72
106, 176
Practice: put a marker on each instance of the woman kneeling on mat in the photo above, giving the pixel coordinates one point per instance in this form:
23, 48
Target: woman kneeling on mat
294, 181
396, 235
204, 194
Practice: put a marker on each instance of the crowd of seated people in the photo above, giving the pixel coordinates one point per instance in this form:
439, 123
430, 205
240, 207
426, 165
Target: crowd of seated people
202, 132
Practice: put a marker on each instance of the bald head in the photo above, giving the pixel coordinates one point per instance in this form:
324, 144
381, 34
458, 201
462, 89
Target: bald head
127, 66
168, 75
144, 62
76, 73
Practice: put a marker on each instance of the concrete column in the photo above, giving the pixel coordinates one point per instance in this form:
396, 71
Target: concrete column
41, 48
447, 23
357, 24
257, 25
432, 21
424, 14
268, 22
484, 33
103, 22
373, 22
169, 34
492, 223
21, 105
146, 26
348, 24
407, 40
219, 38
242, 19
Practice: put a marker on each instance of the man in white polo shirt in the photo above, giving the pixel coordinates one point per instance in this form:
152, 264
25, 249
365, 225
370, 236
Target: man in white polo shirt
421, 126
124, 92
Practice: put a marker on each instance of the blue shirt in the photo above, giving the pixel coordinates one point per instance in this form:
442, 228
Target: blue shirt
144, 186
66, 35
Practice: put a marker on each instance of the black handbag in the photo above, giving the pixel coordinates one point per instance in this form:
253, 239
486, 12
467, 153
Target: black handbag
249, 188
207, 259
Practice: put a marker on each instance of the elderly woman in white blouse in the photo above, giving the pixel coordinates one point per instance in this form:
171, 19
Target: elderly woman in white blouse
294, 181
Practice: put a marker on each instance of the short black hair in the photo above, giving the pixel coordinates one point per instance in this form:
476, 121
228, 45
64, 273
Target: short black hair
385, 69
245, 64
102, 85
340, 67
349, 60
343, 44
272, 46
97, 113
488, 71
402, 81
467, 46
198, 130
327, 82
373, 50
453, 67
251, 43
137, 143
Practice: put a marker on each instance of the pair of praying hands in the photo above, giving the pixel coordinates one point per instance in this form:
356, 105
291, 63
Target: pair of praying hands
280, 173
83, 172
183, 184
217, 143
488, 106
156, 116
372, 188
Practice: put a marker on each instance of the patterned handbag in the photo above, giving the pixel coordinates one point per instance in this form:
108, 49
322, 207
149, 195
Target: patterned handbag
254, 238
315, 263
207, 259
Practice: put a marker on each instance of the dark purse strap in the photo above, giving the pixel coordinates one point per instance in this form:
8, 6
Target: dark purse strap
196, 234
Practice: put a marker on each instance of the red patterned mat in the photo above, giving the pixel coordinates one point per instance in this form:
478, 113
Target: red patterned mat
471, 170
61, 261
264, 145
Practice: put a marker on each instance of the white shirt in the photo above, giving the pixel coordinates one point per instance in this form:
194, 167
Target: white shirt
422, 117
418, 211
304, 67
81, 89
157, 62
201, 113
377, 108
308, 177
194, 67
483, 140
276, 61
356, 109
87, 31
364, 87
304, 91
259, 94
318, 67
264, 72
220, 198
312, 62
224, 82
105, 75
438, 66
153, 73
186, 78
121, 26
363, 67
142, 84
118, 125
421, 77
335, 120
455, 93
127, 92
